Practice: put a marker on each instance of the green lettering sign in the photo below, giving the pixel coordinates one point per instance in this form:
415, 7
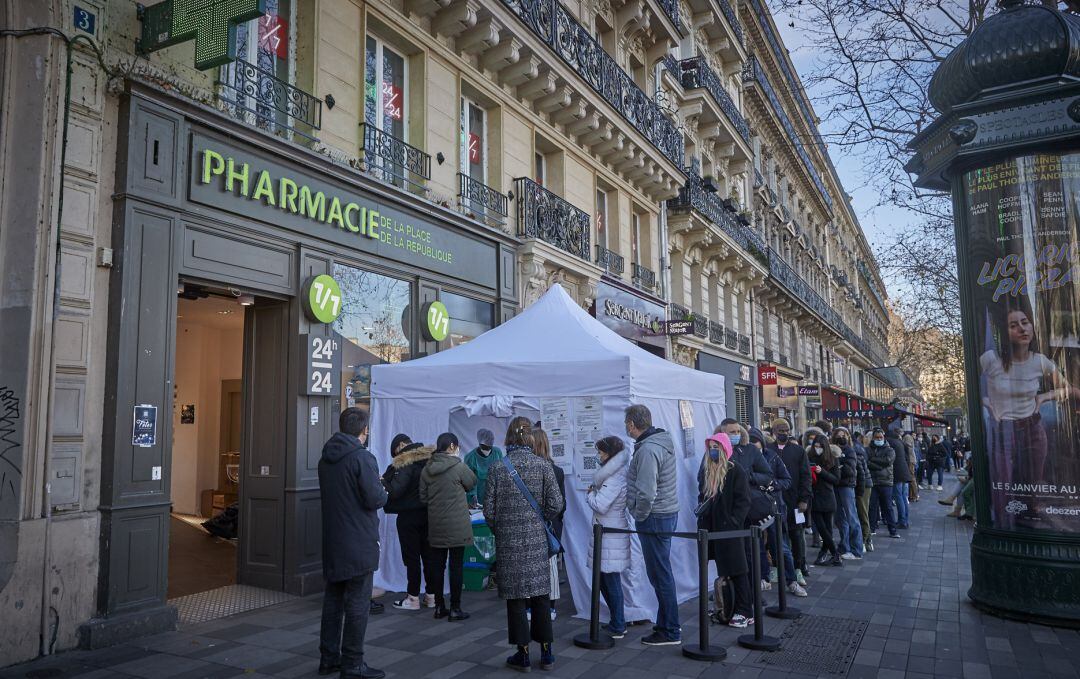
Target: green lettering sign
322, 299
211, 23
437, 321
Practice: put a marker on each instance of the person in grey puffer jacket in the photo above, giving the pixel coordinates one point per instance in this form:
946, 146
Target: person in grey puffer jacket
653, 501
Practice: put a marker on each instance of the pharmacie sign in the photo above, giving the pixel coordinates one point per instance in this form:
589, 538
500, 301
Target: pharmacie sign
251, 184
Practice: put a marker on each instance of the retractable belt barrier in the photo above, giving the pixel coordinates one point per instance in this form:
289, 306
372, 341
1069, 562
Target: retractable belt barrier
702, 651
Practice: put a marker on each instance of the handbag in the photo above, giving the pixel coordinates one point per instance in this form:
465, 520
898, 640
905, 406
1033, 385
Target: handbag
704, 507
554, 546
762, 505
724, 600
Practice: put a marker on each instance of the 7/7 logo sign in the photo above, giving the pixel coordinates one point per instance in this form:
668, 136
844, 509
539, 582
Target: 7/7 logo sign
437, 321
322, 299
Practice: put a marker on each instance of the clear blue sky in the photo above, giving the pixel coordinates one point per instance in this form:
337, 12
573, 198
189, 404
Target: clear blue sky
878, 223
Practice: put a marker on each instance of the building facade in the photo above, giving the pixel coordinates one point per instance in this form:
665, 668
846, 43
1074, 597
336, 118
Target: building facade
209, 260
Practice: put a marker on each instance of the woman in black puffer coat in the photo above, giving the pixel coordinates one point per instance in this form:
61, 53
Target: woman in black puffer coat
825, 470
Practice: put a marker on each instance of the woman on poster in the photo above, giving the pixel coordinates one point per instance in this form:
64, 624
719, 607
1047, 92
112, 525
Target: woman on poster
1018, 381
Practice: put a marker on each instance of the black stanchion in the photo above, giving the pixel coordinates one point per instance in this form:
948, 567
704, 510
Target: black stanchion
757, 641
594, 640
703, 651
783, 611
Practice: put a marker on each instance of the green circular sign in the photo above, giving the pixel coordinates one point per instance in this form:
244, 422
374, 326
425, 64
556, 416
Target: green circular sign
322, 299
436, 321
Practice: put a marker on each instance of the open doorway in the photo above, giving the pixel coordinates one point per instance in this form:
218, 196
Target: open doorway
207, 439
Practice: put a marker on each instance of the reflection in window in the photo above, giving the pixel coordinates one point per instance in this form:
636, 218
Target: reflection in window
372, 328
468, 317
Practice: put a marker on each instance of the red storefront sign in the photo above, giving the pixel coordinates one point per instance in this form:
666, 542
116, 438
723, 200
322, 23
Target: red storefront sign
766, 374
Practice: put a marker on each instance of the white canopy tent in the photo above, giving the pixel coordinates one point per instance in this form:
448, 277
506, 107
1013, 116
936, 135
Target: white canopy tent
552, 354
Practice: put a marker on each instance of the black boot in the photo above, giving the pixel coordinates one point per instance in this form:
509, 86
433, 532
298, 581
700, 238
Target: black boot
440, 610
547, 657
520, 660
836, 560
329, 666
457, 614
362, 672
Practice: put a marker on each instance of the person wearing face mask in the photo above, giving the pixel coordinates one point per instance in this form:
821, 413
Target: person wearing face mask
607, 499
850, 486
782, 483
351, 494
880, 458
479, 460
444, 485
901, 474
826, 471
862, 497
723, 504
798, 496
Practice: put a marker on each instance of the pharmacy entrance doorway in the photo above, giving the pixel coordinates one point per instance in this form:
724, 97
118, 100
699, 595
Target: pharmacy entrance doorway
226, 525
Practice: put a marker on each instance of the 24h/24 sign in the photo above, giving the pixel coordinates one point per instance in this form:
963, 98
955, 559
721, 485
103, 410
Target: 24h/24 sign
211, 23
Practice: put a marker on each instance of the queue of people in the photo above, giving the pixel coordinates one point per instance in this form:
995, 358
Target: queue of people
836, 483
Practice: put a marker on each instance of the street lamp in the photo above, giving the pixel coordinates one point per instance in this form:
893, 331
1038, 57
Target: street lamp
1007, 145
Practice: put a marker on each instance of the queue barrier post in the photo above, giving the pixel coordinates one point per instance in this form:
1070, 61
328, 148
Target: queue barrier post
703, 651
594, 640
758, 641
782, 611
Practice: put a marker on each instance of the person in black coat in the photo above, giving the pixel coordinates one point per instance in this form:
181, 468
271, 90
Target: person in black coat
351, 496
936, 455
798, 496
724, 487
901, 475
825, 465
402, 482
847, 492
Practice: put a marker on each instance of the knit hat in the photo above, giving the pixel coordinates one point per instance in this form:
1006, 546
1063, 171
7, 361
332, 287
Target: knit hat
485, 438
397, 441
723, 440
756, 434
780, 421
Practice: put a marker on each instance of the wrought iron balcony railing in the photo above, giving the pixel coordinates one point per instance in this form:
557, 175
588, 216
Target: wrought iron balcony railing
744, 345
783, 360
696, 73
547, 217
716, 332
864, 271
759, 181
753, 72
556, 27
643, 278
772, 196
609, 260
260, 98
801, 290
394, 161
701, 325
693, 195
482, 201
731, 339
671, 9
769, 354
678, 312
732, 19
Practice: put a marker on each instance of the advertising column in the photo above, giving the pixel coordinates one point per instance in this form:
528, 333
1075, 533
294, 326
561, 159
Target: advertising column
1022, 219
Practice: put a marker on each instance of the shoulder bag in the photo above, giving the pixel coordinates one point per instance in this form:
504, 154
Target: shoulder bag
554, 547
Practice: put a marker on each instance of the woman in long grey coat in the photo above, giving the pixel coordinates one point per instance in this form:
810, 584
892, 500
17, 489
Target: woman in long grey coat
521, 543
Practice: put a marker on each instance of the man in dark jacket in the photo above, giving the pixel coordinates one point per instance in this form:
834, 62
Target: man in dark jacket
351, 494
936, 455
901, 475
880, 458
798, 495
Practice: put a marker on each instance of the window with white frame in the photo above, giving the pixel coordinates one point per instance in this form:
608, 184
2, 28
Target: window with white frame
601, 217
386, 88
474, 140
263, 55
635, 238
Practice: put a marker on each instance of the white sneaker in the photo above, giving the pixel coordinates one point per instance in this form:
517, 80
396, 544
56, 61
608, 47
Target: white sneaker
773, 576
553, 614
940, 488
766, 585
409, 603
429, 601
847, 556
796, 589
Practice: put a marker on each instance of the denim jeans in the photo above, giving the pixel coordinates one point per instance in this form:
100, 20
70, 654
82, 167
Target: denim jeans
940, 469
789, 563
881, 498
657, 552
347, 601
611, 588
847, 522
900, 498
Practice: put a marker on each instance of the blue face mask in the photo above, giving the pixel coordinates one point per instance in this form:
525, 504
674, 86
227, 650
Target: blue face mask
736, 439
714, 454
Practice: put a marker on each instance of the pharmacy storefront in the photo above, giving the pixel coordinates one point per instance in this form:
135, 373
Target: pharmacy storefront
255, 285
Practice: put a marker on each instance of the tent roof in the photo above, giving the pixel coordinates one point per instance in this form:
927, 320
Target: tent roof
553, 348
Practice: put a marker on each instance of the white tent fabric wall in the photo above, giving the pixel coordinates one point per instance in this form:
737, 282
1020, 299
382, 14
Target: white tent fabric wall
553, 349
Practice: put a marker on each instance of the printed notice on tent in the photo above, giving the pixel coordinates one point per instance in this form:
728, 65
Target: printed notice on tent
588, 418
555, 420
686, 419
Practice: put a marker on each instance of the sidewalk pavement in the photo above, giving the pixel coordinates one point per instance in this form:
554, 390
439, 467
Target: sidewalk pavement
908, 598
